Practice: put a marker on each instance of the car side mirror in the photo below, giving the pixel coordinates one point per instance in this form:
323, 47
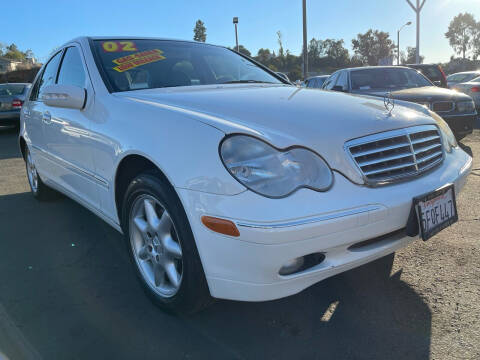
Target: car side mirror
437, 83
64, 96
339, 88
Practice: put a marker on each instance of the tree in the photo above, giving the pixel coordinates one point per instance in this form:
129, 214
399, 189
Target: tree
461, 33
29, 54
373, 46
314, 53
200, 31
13, 53
264, 56
476, 41
243, 50
280, 44
335, 51
411, 56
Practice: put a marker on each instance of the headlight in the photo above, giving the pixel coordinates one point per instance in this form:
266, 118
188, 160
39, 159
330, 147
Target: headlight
272, 172
449, 140
466, 106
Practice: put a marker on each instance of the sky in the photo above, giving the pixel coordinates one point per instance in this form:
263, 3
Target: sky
44, 25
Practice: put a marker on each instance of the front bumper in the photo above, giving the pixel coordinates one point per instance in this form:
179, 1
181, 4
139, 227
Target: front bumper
275, 231
461, 125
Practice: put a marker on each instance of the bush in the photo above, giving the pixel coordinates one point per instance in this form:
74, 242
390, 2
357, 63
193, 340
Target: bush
22, 76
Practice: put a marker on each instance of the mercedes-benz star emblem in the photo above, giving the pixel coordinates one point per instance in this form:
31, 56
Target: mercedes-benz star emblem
389, 102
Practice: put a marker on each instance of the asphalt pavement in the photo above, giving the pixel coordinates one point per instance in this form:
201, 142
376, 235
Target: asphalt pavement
68, 291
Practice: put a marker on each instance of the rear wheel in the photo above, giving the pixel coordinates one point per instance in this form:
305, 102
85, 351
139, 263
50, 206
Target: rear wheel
161, 246
39, 190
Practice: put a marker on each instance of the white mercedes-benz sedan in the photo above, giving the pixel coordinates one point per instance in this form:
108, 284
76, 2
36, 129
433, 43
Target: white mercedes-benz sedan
227, 181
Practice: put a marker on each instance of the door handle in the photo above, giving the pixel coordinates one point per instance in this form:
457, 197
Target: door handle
47, 117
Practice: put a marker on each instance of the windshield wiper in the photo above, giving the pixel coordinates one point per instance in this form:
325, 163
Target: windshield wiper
246, 82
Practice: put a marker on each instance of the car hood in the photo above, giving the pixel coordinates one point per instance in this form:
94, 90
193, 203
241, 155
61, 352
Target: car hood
422, 94
286, 115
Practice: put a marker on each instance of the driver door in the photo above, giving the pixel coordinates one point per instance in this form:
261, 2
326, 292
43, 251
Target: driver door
67, 134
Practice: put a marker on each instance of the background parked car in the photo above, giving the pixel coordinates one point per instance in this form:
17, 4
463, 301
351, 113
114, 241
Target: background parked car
12, 96
472, 89
283, 76
461, 77
316, 81
433, 72
403, 83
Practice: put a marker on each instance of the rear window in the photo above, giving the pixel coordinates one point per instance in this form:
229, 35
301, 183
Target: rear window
462, 77
386, 78
431, 72
147, 64
11, 89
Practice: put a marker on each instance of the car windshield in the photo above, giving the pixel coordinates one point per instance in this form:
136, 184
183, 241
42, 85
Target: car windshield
11, 89
391, 78
147, 64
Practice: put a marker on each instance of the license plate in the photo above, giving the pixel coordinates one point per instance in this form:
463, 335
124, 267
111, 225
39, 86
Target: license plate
436, 211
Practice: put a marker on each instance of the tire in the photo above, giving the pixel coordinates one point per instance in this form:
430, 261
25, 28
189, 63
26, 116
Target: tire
39, 190
161, 246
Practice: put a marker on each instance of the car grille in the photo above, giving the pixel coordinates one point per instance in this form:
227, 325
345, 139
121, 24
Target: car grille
395, 155
443, 106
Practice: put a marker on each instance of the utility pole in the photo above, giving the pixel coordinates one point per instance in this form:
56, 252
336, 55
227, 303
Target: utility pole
417, 10
235, 21
305, 50
398, 41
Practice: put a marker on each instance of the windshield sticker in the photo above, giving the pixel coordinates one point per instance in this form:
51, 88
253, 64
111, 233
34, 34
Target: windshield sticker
132, 61
119, 46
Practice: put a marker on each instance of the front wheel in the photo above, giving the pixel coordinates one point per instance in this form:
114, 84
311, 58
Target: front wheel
161, 246
39, 190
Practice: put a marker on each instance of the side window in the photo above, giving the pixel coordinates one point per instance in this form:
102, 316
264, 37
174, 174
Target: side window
34, 93
309, 83
48, 77
71, 69
343, 81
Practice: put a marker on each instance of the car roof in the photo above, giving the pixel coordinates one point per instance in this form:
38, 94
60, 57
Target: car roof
376, 67
466, 72
12, 83
317, 77
421, 65
86, 39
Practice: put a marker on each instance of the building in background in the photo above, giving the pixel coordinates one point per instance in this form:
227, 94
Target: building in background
7, 65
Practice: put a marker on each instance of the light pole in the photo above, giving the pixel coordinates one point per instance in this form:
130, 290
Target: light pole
398, 41
417, 10
235, 21
305, 50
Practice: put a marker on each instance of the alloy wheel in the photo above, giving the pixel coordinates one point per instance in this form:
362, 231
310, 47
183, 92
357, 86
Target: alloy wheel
155, 245
32, 173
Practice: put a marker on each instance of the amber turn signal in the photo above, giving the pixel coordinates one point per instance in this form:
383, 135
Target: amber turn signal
221, 226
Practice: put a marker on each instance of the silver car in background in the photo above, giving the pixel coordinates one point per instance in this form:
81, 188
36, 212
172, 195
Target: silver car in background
12, 97
316, 81
461, 77
471, 88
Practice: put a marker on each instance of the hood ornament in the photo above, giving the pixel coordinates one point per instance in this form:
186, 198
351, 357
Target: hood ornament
389, 102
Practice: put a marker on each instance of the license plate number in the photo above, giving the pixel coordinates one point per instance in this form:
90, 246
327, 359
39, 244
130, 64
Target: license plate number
436, 211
